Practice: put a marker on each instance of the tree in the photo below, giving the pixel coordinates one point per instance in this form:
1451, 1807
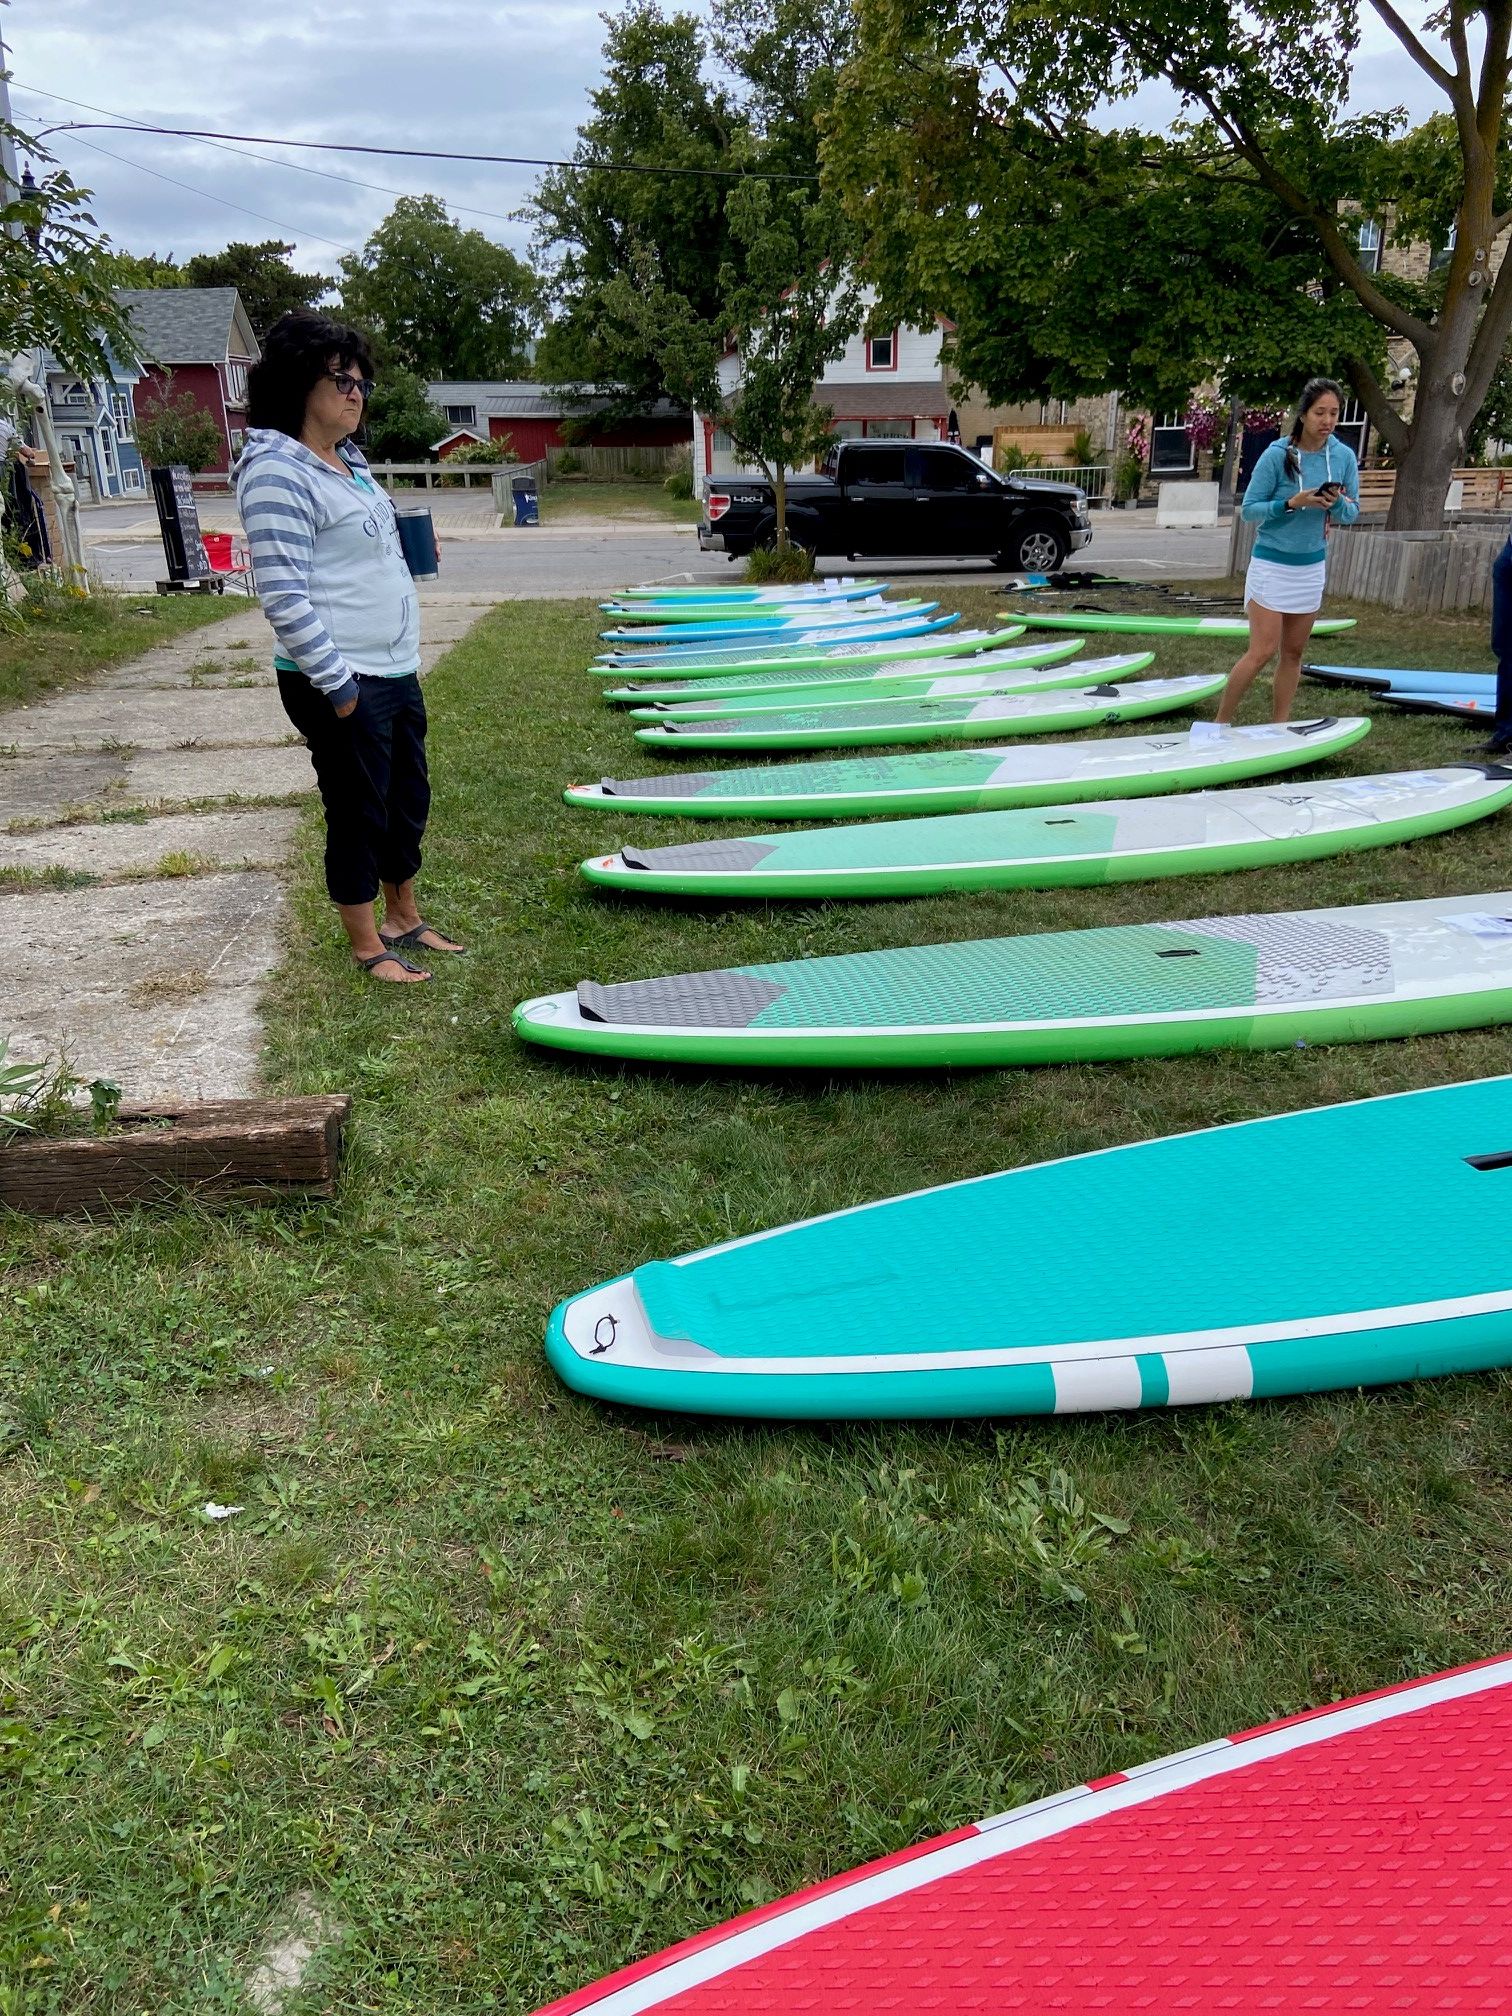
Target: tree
440, 301
55, 276
955, 107
177, 429
787, 307
400, 423
656, 109
146, 269
269, 286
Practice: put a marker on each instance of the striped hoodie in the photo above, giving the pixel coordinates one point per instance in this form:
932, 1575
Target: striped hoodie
330, 571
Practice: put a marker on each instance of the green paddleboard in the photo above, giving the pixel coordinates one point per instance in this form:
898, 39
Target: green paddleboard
1131, 840
800, 686
1135, 625
898, 683
1133, 990
905, 720
952, 644
1352, 1268
976, 780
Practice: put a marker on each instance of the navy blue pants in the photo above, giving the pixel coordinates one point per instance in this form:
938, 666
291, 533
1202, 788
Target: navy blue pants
372, 777
1501, 642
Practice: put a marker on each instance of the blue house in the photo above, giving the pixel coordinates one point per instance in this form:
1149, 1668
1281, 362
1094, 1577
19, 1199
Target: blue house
95, 422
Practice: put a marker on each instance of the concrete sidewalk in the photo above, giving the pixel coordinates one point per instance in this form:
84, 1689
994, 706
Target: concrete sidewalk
168, 790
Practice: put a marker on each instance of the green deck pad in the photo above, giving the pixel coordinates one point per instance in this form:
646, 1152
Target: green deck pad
1136, 625
861, 679
870, 1312
951, 644
1344, 975
905, 720
995, 676
1129, 840
970, 780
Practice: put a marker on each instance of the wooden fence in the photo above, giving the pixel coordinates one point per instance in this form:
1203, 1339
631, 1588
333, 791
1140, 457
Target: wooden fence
650, 464
449, 475
1424, 573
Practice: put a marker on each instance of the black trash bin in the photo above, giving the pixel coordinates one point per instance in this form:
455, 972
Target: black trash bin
527, 501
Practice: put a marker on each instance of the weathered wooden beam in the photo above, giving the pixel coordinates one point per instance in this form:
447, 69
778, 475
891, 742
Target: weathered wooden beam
212, 1148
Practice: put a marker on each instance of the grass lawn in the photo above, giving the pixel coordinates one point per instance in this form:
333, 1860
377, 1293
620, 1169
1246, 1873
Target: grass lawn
518, 1687
588, 497
63, 639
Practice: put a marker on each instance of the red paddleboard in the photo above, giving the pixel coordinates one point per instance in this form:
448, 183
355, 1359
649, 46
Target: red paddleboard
1356, 1858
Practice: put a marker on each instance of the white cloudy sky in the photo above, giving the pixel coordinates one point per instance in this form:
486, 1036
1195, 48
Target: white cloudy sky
495, 76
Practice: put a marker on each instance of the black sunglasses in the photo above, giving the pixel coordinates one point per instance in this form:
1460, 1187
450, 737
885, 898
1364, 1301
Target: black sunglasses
349, 383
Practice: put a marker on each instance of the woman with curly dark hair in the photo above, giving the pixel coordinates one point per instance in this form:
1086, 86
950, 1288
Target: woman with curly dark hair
333, 582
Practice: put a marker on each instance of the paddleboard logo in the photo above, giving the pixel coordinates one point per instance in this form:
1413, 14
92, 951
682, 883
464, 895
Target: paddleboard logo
603, 1335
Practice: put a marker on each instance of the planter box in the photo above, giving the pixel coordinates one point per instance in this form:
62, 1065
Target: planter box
1422, 573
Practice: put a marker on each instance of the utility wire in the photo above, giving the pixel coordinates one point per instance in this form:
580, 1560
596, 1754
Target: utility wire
294, 167
440, 154
226, 203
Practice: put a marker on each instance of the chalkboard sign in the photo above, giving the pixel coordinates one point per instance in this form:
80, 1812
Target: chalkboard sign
178, 521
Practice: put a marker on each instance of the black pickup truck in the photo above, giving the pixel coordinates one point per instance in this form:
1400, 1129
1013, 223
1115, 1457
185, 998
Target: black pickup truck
903, 497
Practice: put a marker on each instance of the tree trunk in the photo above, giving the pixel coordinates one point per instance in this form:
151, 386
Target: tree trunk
1424, 472
779, 486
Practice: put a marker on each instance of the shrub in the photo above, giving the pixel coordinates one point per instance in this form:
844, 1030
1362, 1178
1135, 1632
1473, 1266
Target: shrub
790, 563
1083, 454
483, 451
177, 429
679, 484
568, 464
1128, 475
1011, 456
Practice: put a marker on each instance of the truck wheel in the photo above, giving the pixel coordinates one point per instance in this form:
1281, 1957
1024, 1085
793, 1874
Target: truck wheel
1038, 546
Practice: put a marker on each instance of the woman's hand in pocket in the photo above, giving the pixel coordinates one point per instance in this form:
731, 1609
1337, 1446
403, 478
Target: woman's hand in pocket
349, 707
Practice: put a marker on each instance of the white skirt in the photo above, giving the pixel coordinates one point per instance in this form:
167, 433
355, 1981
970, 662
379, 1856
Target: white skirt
1287, 591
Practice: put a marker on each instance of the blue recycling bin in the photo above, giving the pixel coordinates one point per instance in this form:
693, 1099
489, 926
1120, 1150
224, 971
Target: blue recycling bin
527, 501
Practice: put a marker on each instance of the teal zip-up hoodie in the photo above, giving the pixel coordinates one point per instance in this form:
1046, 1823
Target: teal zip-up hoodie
1295, 538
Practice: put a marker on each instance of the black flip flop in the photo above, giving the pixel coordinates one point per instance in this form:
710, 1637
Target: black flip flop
416, 933
378, 958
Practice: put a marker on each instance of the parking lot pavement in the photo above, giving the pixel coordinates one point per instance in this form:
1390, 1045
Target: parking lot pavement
595, 557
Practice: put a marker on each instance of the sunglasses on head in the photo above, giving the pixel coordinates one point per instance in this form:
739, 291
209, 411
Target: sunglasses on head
347, 382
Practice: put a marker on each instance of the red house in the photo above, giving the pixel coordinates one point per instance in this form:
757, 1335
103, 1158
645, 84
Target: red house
200, 338
535, 417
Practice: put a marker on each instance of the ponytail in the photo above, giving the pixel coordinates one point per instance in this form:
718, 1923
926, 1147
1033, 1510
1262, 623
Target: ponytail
1314, 390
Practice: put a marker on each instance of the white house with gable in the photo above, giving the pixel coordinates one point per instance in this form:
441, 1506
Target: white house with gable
891, 386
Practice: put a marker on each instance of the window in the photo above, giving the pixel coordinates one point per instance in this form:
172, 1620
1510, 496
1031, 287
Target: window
238, 441
1353, 427
76, 395
132, 478
889, 430
1171, 447
107, 450
236, 382
879, 465
1441, 258
882, 352
1368, 243
120, 412
848, 430
462, 416
938, 469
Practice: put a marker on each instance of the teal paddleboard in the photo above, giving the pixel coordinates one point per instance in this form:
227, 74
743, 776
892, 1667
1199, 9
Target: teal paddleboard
976, 780
1003, 672
1135, 625
796, 658
855, 619
1034, 1292
1132, 990
905, 720
1133, 840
